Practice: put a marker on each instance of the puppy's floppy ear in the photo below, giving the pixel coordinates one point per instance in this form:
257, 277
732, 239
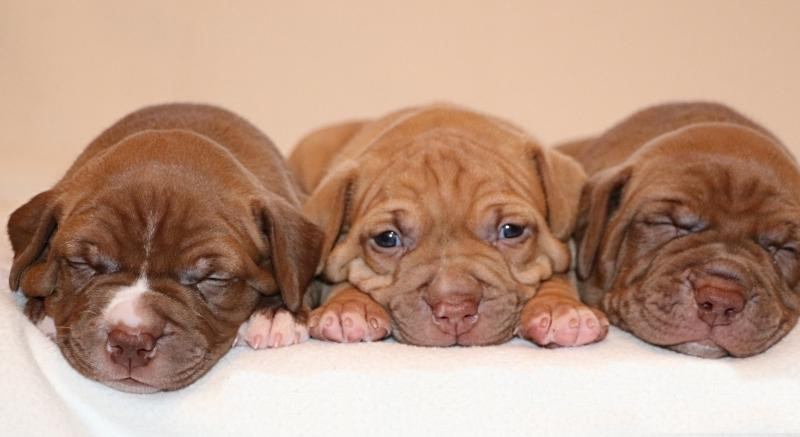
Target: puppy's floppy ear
328, 207
30, 228
562, 182
600, 199
295, 244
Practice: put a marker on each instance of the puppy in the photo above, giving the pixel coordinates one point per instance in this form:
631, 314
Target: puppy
166, 233
689, 229
443, 227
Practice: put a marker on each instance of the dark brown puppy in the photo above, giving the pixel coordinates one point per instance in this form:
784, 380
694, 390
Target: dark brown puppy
689, 229
158, 244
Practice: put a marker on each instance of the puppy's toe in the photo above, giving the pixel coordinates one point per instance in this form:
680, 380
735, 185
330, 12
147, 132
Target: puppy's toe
255, 331
378, 322
349, 321
286, 330
593, 326
354, 322
324, 323
562, 322
566, 325
269, 329
536, 326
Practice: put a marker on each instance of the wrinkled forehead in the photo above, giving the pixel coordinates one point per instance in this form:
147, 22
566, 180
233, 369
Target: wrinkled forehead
717, 165
451, 177
137, 229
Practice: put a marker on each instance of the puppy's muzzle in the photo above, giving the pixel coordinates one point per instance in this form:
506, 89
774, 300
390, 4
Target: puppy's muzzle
132, 348
455, 316
454, 297
720, 290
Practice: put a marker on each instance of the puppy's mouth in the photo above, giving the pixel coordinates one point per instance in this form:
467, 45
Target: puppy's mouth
702, 348
131, 385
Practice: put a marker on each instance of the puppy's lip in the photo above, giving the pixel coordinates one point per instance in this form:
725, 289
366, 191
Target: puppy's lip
131, 385
702, 348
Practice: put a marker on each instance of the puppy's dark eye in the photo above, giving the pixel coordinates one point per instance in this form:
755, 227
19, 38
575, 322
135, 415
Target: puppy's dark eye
387, 239
510, 231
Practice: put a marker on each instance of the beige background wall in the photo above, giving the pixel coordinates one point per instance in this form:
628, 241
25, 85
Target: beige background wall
68, 69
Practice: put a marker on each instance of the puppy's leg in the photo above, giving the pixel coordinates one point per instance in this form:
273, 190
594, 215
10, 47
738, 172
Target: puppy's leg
270, 327
557, 317
34, 309
349, 316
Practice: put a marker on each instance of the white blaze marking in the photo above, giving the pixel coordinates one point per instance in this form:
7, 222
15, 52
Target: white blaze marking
125, 306
148, 242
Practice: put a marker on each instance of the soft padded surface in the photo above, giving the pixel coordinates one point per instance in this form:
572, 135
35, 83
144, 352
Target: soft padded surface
392, 389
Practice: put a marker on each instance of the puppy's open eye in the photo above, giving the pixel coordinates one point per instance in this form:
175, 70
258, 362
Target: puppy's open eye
509, 231
387, 239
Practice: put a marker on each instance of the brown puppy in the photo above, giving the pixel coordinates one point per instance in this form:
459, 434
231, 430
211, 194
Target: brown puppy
159, 242
689, 230
452, 222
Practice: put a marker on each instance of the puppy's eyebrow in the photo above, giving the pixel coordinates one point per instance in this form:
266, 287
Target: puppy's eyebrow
91, 253
673, 201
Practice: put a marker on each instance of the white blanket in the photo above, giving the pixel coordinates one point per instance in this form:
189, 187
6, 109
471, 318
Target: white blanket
378, 389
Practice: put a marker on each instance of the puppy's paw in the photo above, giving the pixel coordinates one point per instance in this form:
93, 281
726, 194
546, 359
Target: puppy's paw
349, 319
558, 321
269, 328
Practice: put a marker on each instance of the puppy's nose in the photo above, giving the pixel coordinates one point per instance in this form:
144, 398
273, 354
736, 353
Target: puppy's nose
717, 304
131, 349
455, 317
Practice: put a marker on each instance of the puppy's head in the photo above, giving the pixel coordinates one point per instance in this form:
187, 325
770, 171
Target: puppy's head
147, 270
693, 242
450, 234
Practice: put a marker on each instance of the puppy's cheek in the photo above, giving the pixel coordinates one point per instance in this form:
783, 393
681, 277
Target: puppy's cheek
343, 254
541, 269
83, 342
184, 357
366, 279
763, 323
611, 305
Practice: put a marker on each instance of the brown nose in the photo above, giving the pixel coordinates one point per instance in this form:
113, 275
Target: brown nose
455, 317
131, 349
717, 305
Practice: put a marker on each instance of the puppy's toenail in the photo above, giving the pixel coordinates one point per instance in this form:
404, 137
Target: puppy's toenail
347, 322
373, 323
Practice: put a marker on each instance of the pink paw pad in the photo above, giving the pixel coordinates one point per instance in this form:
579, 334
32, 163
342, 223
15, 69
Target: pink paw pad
349, 322
564, 324
266, 329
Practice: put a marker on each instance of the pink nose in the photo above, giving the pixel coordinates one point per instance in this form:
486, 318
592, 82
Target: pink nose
718, 305
130, 349
455, 317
